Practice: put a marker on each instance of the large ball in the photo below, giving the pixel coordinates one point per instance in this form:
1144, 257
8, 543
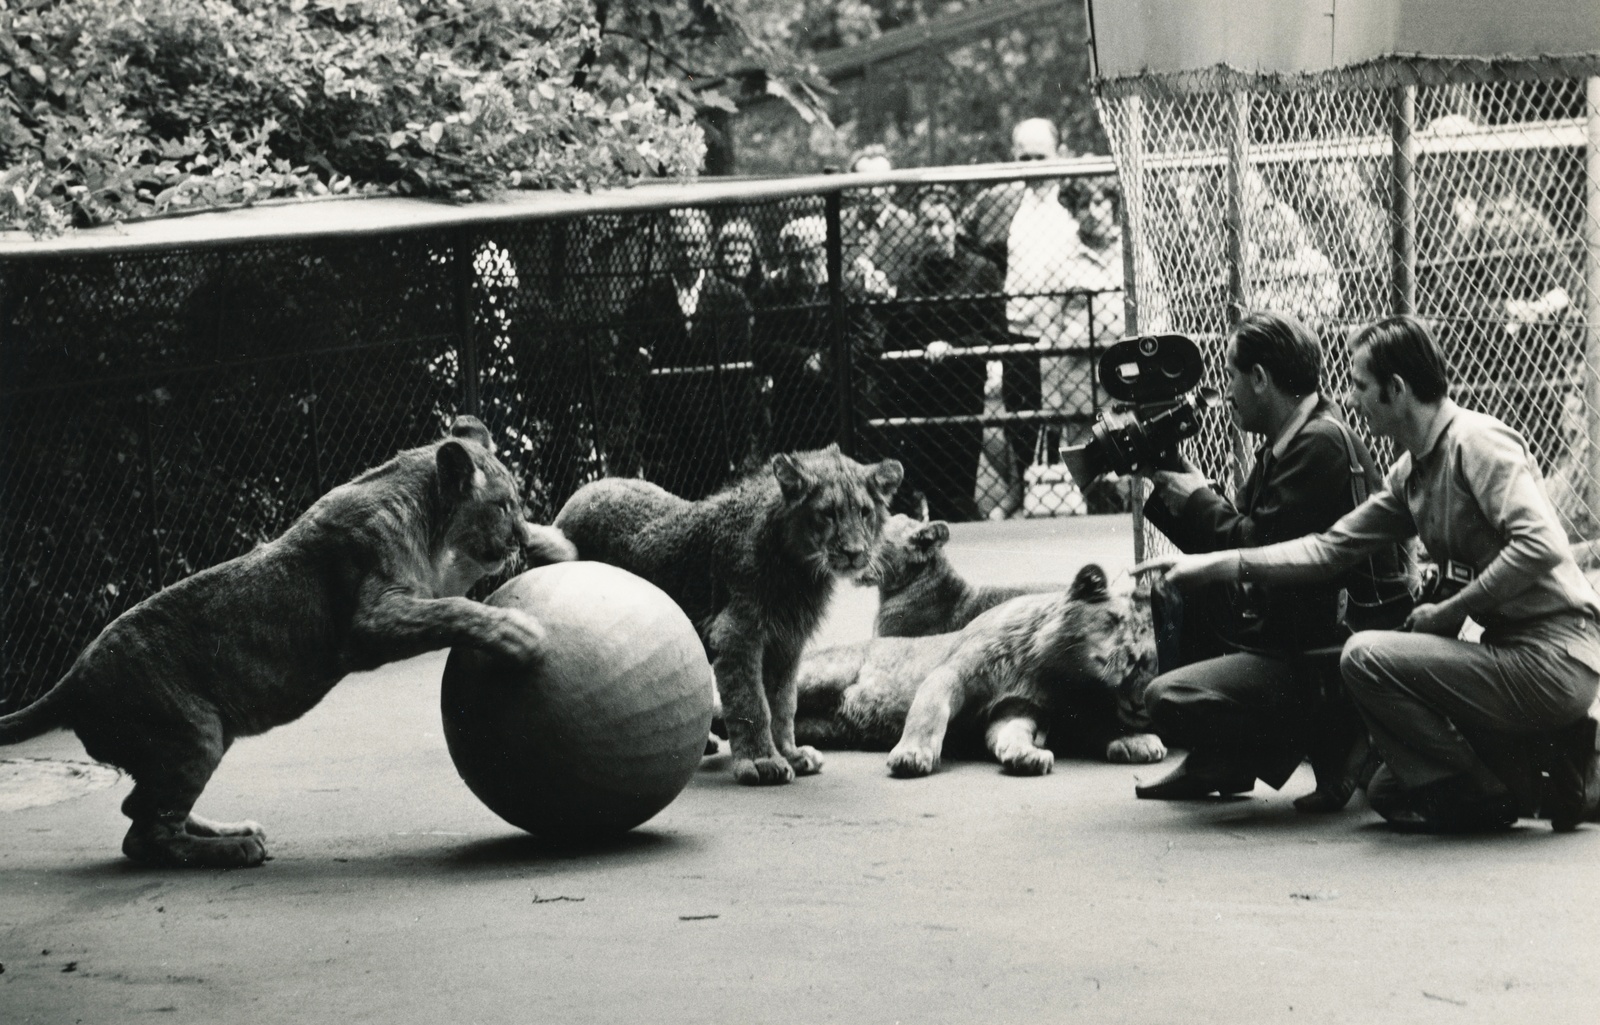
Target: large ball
605, 729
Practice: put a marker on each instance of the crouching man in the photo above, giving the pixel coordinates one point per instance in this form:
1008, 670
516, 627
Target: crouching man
1467, 486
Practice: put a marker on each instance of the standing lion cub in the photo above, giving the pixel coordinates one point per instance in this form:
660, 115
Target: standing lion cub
753, 566
373, 572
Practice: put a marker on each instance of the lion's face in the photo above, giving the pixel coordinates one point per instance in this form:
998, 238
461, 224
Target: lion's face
1107, 640
485, 526
835, 508
908, 550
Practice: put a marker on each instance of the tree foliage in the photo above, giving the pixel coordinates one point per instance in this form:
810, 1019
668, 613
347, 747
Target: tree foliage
953, 105
118, 109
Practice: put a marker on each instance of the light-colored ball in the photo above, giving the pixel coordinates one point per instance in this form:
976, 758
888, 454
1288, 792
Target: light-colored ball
605, 729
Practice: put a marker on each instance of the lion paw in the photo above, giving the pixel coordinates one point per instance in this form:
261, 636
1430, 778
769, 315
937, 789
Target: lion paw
762, 772
516, 635
1030, 761
1139, 749
909, 760
807, 761
198, 826
170, 849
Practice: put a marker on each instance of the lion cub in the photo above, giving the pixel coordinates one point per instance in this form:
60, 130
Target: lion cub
919, 592
1076, 661
373, 572
753, 566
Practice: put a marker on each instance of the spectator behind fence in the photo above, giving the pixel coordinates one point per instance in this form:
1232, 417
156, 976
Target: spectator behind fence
794, 347
1287, 272
952, 300
738, 255
1024, 228
693, 430
881, 239
1452, 718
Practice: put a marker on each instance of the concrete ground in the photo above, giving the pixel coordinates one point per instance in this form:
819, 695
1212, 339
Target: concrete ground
395, 897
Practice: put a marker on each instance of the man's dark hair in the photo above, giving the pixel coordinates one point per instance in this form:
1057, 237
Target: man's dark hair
1280, 345
1403, 347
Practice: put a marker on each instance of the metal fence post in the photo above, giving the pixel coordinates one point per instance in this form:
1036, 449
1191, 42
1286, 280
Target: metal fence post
1238, 224
466, 313
1591, 303
1403, 201
1130, 206
147, 452
843, 370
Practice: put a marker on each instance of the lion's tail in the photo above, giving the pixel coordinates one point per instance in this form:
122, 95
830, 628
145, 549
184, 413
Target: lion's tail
46, 714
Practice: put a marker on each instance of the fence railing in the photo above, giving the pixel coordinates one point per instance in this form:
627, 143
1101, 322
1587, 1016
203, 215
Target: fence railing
173, 393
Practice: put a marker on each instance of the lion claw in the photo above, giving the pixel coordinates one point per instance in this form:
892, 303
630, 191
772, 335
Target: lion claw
763, 772
1034, 762
907, 761
806, 761
1139, 749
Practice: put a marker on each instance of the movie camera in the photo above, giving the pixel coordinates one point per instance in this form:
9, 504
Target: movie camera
1153, 379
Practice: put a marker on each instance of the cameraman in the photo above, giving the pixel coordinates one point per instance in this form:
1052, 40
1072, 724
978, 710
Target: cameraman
1246, 698
1468, 487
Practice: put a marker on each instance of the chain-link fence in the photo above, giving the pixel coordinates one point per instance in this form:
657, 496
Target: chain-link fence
165, 406
1464, 191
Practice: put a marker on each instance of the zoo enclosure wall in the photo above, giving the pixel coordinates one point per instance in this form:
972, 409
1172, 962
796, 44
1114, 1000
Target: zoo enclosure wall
175, 392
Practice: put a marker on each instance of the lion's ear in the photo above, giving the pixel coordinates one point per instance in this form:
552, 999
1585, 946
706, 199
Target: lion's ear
886, 477
931, 535
1090, 584
472, 429
792, 480
456, 469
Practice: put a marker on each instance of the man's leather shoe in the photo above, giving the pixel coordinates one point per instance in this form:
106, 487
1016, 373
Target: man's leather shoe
1452, 805
1333, 795
1186, 783
1566, 790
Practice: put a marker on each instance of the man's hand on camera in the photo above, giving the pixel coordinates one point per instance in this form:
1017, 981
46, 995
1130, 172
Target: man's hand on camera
1441, 619
1175, 486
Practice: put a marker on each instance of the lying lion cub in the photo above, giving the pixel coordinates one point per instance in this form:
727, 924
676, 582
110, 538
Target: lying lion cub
919, 592
1077, 660
753, 566
371, 573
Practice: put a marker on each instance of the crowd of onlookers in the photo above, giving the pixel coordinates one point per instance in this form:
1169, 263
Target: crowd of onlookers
734, 347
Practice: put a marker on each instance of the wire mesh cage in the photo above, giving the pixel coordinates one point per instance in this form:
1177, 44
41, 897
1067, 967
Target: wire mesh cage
164, 409
1467, 192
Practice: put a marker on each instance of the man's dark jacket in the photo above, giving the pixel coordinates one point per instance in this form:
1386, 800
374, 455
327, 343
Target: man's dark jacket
1303, 491
694, 431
